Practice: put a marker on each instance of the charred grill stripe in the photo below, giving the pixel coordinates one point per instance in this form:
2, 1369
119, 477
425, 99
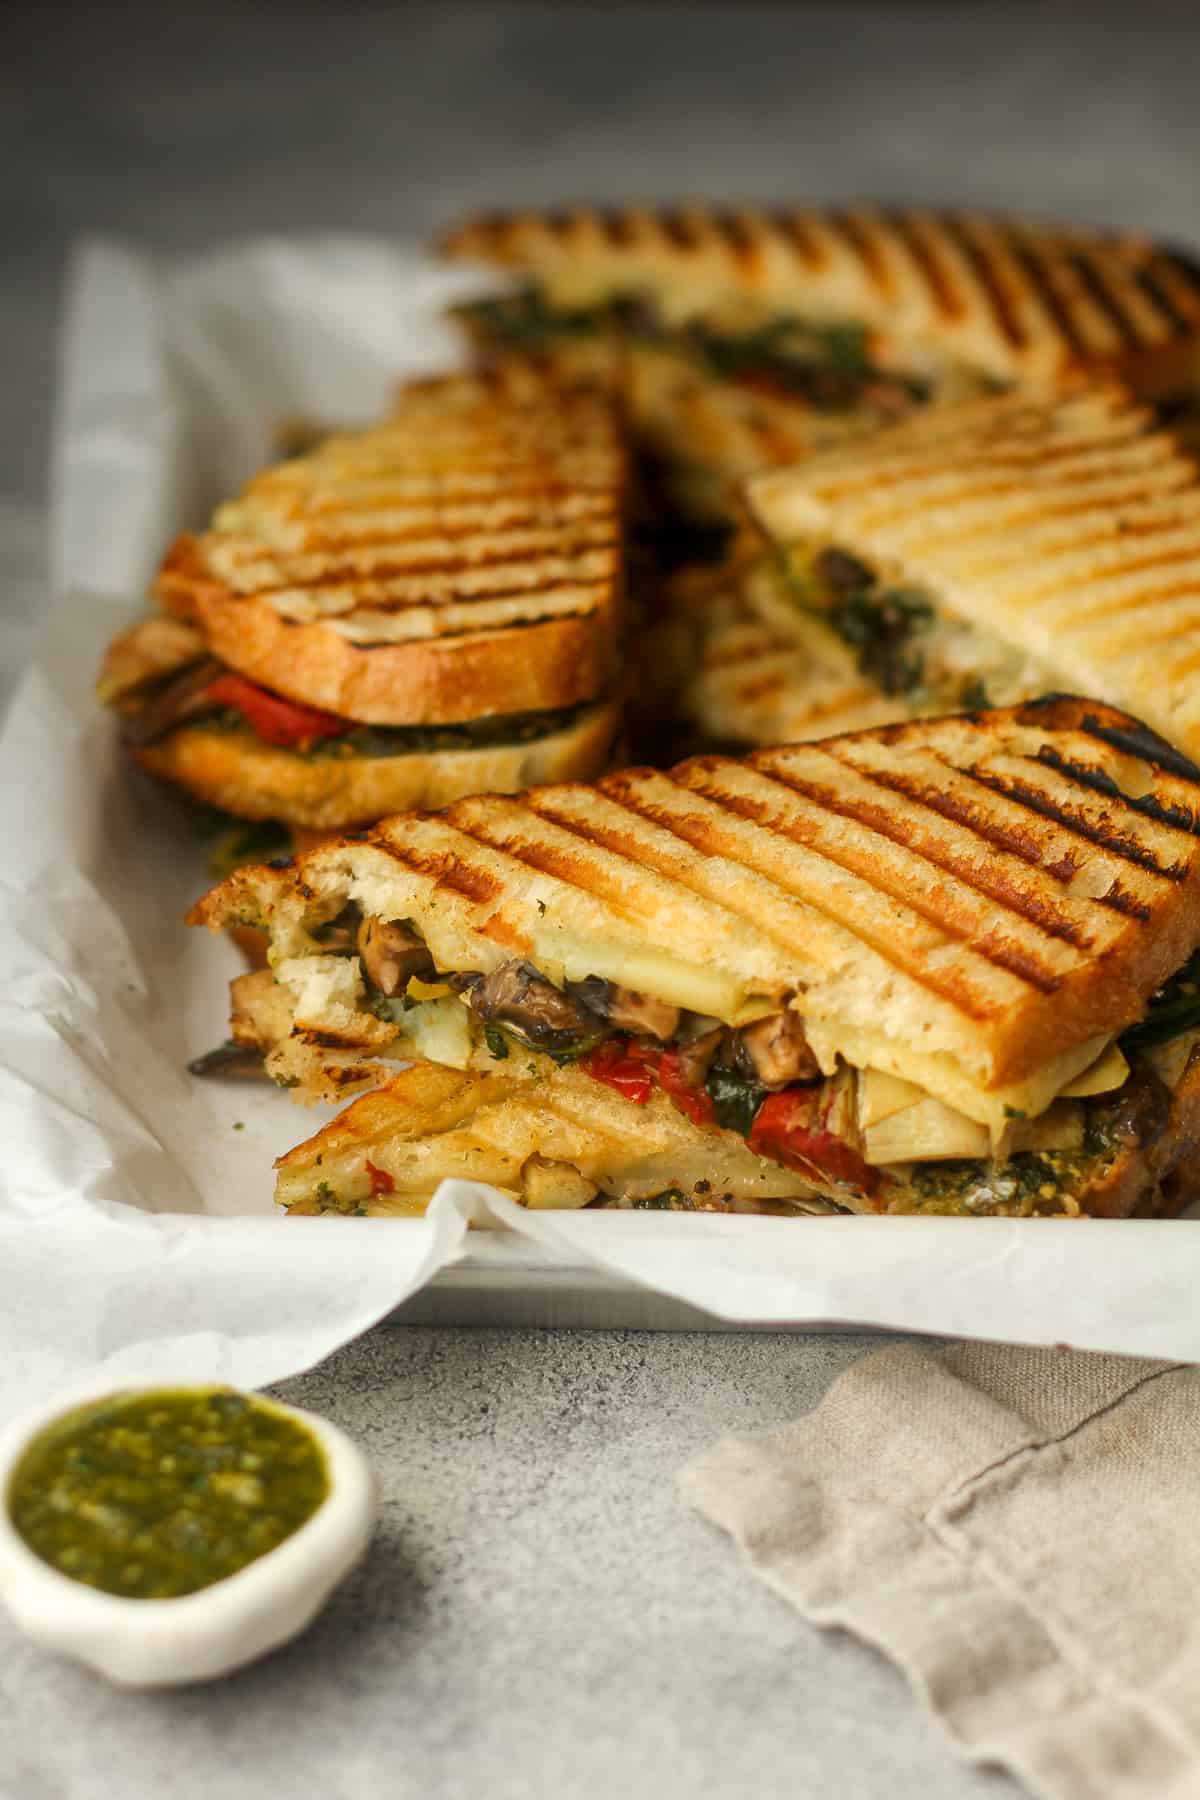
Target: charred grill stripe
1120, 901
993, 281
600, 545
583, 607
618, 226
858, 234
986, 878
793, 228
1177, 818
1177, 318
680, 229
1139, 741
1017, 960
1091, 273
444, 868
1038, 271
737, 234
911, 232
991, 831
1126, 849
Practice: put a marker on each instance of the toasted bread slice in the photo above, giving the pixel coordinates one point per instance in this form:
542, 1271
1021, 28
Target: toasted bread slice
1016, 300
558, 1140
462, 560
1065, 526
236, 771
976, 903
553, 1137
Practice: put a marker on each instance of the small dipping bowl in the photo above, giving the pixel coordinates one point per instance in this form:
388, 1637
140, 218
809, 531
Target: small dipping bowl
163, 1642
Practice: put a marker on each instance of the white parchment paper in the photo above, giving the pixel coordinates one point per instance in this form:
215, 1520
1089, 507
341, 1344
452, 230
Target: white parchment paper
137, 1232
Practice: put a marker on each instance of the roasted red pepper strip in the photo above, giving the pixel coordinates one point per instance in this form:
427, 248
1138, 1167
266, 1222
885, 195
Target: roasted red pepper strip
381, 1181
690, 1099
610, 1062
285, 723
787, 1128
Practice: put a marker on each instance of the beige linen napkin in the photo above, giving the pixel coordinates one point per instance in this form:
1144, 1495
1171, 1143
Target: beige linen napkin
1019, 1530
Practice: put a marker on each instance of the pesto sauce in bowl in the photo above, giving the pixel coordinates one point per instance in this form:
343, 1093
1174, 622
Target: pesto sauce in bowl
159, 1493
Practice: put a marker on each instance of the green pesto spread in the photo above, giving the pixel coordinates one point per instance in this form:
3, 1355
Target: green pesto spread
153, 1495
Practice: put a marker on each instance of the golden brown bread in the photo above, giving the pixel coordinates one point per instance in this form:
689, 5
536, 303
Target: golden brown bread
991, 892
1018, 300
238, 772
459, 561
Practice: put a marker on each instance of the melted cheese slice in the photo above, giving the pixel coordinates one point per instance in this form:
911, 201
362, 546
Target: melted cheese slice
944, 1079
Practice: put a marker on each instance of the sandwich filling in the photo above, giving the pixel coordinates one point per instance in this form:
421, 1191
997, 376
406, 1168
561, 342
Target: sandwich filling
862, 1133
893, 633
825, 366
205, 692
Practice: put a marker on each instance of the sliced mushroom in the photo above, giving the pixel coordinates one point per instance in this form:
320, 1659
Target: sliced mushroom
186, 697
392, 953
696, 1055
241, 1062
547, 1184
515, 994
147, 654
643, 1015
775, 1051
640, 1014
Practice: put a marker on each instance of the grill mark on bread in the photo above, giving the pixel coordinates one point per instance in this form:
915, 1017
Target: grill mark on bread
1116, 843
1038, 295
914, 234
938, 909
974, 866
1175, 817
797, 233
443, 867
1091, 274
859, 233
993, 284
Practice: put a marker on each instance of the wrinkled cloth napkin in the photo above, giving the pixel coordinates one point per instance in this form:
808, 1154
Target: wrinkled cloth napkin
1019, 1530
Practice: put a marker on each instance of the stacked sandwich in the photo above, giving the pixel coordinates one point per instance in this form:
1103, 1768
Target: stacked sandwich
420, 611
746, 339
939, 952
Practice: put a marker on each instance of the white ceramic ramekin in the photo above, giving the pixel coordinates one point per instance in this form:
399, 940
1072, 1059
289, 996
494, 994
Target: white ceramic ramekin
196, 1637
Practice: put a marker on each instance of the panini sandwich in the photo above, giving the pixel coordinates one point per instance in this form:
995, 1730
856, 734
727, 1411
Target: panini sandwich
944, 966
979, 554
425, 609
749, 338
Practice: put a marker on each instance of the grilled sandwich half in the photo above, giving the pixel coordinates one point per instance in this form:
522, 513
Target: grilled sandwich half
945, 966
981, 554
748, 338
425, 609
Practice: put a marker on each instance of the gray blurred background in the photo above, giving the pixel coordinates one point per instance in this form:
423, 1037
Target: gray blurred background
183, 123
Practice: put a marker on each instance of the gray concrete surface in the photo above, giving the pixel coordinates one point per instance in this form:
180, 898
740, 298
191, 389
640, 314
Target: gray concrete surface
538, 1616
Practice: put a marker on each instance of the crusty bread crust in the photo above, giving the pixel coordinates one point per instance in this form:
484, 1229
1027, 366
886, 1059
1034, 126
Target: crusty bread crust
236, 771
1022, 301
538, 667
995, 888
461, 560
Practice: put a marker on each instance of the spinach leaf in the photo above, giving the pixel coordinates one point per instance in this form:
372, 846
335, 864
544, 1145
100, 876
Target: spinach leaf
735, 1097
